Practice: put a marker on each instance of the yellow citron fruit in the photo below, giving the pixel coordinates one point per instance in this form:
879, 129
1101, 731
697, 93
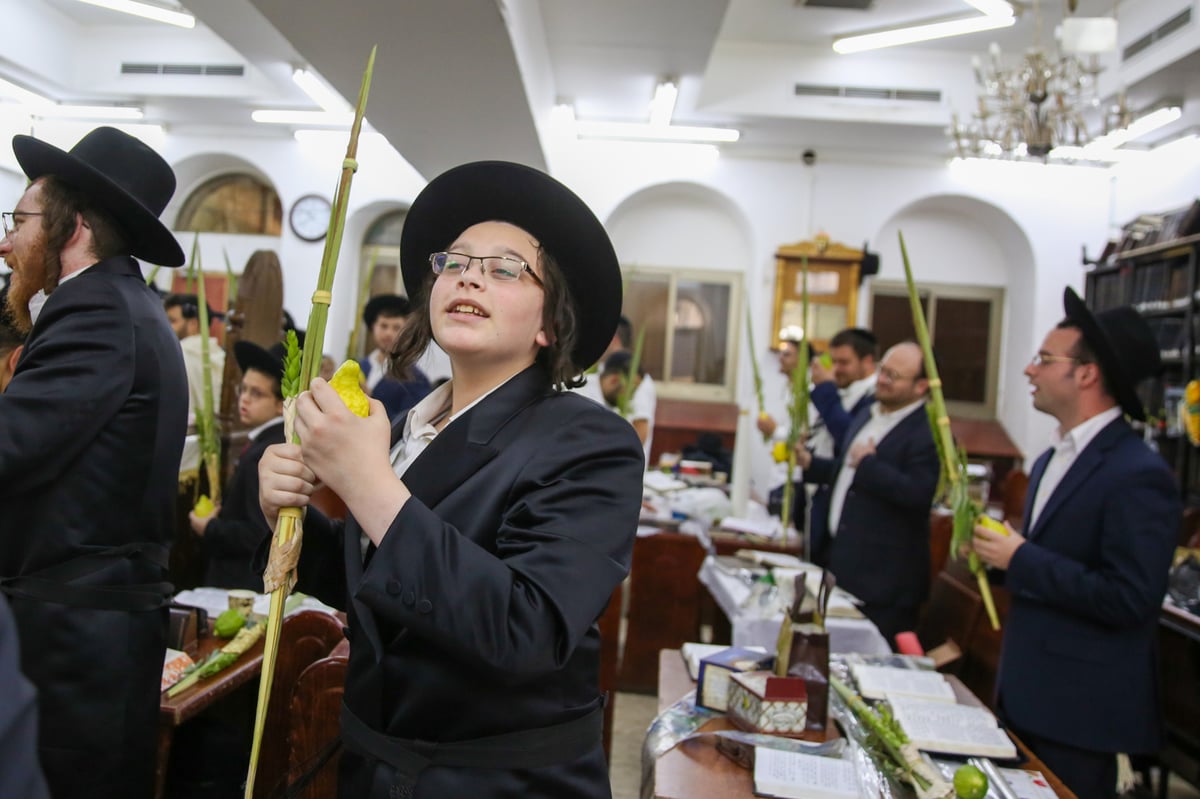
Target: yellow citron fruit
347, 382
992, 524
203, 506
825, 360
779, 451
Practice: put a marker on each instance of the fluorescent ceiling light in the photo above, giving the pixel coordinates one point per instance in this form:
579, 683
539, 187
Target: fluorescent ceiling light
663, 104
919, 33
157, 13
993, 8
307, 118
1139, 127
640, 131
320, 93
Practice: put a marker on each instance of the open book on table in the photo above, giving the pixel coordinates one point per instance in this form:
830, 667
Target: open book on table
882, 682
953, 729
794, 775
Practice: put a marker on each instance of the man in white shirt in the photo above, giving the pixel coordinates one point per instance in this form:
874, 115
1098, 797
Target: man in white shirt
1078, 677
385, 316
848, 385
644, 403
883, 486
183, 312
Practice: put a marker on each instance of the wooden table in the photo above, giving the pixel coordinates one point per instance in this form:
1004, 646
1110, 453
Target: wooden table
188, 704
696, 770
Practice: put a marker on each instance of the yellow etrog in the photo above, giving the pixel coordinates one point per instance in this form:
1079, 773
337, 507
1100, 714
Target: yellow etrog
203, 506
347, 382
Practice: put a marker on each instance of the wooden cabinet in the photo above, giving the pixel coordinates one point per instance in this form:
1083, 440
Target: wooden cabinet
833, 275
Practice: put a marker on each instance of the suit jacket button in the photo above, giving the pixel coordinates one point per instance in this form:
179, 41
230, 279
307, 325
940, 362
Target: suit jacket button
393, 587
409, 598
425, 606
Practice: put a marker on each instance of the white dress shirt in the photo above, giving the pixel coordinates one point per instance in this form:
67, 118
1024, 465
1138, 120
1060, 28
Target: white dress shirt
877, 427
1067, 447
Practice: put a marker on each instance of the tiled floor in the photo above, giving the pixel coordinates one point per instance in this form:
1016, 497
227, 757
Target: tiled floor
633, 713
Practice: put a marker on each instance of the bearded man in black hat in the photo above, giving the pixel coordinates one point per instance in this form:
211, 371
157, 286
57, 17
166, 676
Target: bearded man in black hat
1078, 679
91, 432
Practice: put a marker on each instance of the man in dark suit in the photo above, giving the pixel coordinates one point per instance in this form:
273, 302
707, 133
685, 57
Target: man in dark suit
848, 386
1078, 679
20, 774
385, 316
881, 491
231, 536
91, 431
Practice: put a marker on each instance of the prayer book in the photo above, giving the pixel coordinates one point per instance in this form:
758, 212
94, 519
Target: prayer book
694, 652
882, 682
953, 729
794, 775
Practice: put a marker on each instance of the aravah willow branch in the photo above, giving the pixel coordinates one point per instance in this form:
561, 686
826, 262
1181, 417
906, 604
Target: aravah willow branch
954, 467
285, 546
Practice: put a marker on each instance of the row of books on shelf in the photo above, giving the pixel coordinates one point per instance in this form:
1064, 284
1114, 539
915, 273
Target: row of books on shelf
1153, 287
1174, 335
1150, 229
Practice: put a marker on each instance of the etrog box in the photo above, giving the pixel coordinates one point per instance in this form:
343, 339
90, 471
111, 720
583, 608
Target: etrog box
761, 702
713, 680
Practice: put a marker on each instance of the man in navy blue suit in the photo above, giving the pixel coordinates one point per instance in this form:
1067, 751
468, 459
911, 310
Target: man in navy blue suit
882, 487
385, 316
1078, 679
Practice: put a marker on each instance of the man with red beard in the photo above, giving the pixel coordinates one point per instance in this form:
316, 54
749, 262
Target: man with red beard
91, 431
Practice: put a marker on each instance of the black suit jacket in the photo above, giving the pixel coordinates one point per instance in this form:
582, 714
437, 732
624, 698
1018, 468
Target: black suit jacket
881, 550
231, 540
91, 432
20, 774
477, 614
1080, 658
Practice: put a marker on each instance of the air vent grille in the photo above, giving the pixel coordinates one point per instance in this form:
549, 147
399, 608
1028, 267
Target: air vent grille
203, 70
1162, 31
858, 5
868, 93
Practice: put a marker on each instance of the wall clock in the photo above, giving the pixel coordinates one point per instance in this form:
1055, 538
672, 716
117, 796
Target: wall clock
309, 217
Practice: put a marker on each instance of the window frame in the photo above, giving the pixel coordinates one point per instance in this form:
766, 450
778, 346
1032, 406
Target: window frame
950, 291
726, 390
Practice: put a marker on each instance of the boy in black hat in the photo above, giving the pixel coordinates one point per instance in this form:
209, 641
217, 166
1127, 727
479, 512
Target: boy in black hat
385, 316
91, 432
501, 515
1078, 678
233, 534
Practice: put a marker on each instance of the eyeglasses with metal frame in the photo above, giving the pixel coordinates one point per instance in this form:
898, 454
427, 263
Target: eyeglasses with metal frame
12, 220
500, 268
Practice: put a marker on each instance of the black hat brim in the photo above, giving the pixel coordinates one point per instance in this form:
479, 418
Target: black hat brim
251, 356
151, 240
564, 226
1120, 382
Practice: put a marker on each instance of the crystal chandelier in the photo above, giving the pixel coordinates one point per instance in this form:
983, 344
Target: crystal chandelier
1027, 108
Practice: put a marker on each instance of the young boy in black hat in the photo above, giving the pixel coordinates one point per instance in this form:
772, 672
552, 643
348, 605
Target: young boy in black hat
385, 316
91, 431
232, 535
1078, 678
501, 514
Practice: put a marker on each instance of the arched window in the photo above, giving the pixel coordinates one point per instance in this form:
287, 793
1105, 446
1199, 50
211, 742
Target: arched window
235, 203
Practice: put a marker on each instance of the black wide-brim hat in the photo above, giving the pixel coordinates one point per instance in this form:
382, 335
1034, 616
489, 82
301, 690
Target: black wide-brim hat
1124, 345
119, 173
386, 304
268, 361
499, 191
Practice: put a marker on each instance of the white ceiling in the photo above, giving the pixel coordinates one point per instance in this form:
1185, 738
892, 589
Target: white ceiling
450, 84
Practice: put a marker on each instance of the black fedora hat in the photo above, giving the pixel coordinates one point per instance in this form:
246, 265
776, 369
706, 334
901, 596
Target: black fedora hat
122, 174
268, 361
1124, 345
386, 304
562, 223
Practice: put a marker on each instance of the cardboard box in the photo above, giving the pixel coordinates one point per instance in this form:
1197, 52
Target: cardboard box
761, 702
712, 689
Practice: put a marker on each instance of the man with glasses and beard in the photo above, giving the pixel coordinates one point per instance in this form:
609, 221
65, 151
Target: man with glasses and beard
882, 488
91, 431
